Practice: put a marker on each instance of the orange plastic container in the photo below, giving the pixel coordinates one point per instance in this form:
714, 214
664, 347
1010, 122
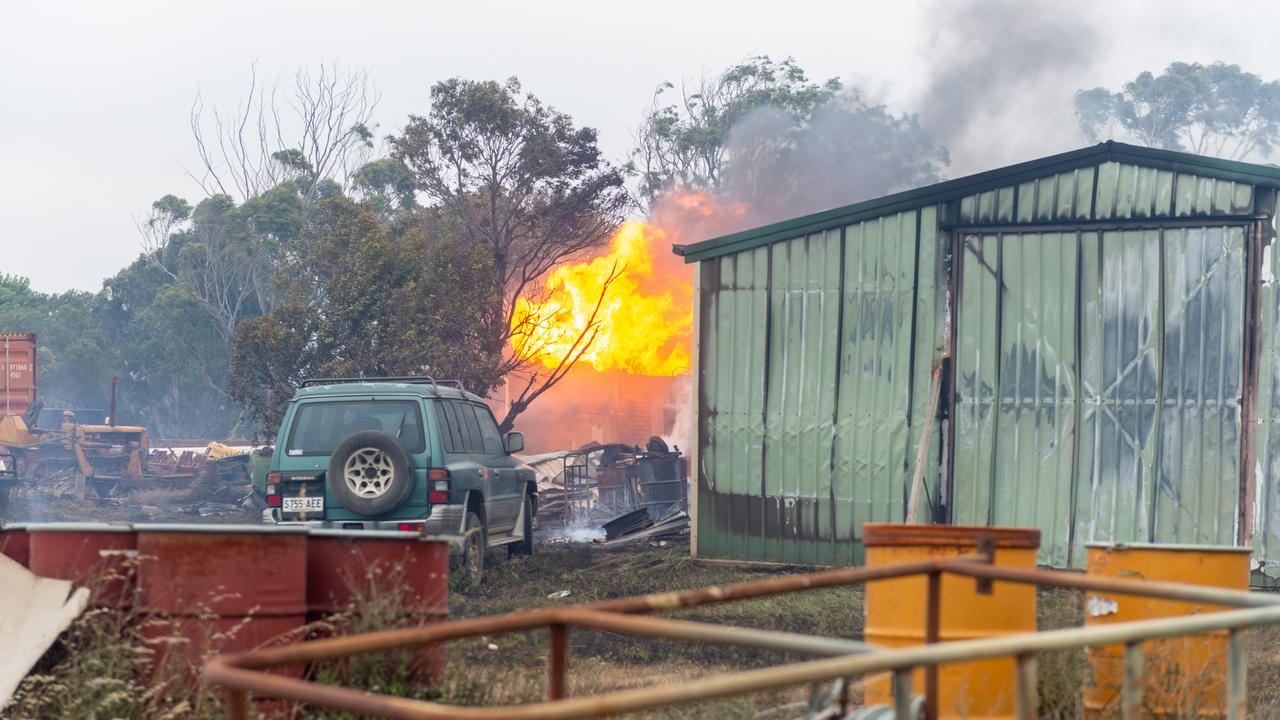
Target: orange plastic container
1184, 676
895, 611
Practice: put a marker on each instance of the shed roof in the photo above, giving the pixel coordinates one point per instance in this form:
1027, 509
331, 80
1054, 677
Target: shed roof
1110, 151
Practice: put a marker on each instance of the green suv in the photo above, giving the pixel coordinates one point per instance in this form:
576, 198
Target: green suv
402, 454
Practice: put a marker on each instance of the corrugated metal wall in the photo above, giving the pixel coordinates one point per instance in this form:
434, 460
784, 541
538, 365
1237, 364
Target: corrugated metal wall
807, 388
1097, 380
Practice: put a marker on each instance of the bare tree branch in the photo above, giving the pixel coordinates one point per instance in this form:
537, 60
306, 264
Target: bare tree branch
328, 126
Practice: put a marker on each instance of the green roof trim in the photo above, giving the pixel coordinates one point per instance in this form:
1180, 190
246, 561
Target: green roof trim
1110, 151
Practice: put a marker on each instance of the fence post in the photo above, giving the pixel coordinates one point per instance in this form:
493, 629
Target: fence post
557, 659
902, 694
1132, 689
932, 634
1028, 701
237, 704
1237, 696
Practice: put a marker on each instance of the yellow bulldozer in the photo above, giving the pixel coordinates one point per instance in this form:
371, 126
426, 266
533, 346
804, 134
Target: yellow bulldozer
97, 458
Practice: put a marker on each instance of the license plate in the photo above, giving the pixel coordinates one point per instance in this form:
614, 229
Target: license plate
313, 503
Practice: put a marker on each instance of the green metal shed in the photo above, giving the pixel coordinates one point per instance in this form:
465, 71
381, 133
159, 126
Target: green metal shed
1099, 328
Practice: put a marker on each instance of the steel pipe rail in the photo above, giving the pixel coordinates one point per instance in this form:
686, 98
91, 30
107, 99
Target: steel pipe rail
716, 634
242, 674
1114, 585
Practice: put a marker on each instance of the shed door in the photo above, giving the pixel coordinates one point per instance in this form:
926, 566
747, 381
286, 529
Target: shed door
1097, 382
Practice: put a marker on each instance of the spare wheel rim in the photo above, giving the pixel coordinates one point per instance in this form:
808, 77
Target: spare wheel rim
368, 473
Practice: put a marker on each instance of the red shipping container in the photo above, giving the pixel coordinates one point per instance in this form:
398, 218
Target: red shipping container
18, 365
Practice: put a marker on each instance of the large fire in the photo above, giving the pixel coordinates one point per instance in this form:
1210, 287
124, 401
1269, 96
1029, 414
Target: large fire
635, 320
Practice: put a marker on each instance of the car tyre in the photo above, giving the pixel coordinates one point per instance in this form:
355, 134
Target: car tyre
525, 546
369, 473
474, 547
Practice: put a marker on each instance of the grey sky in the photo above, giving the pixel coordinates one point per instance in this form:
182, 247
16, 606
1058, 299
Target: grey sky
94, 96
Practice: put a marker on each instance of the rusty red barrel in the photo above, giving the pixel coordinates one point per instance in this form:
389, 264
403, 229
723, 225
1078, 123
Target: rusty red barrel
401, 573
222, 588
15, 543
346, 567
99, 556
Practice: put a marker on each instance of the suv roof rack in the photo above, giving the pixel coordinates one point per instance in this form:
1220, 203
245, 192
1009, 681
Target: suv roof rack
410, 379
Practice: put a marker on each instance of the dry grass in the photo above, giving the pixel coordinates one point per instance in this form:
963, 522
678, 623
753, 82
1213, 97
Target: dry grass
512, 668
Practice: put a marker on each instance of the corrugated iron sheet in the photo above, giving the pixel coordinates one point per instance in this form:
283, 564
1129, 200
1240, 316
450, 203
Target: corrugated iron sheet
1109, 191
1266, 473
1119, 381
874, 392
804, 316
735, 326
1198, 492
1016, 388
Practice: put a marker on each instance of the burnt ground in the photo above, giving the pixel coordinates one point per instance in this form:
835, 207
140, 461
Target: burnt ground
55, 502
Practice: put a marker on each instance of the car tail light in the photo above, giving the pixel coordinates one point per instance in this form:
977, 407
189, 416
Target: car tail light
438, 485
273, 489
409, 527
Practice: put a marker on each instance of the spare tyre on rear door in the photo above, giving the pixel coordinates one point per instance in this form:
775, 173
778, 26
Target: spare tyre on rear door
369, 473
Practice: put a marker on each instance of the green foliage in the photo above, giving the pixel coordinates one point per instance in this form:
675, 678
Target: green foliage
1213, 109
518, 178
381, 302
763, 135
276, 213
685, 142
387, 185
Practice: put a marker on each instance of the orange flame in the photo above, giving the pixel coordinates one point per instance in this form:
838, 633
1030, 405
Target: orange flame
643, 323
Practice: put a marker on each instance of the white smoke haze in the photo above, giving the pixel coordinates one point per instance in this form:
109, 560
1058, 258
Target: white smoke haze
1002, 76
682, 431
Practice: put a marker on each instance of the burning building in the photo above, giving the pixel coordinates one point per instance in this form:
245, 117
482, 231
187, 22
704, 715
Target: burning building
619, 326
1083, 344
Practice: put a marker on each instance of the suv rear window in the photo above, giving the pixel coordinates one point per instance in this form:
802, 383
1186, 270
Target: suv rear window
319, 427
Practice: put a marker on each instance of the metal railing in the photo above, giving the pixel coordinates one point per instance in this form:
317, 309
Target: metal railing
243, 674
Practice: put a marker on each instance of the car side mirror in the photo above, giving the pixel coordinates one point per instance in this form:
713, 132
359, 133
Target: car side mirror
514, 442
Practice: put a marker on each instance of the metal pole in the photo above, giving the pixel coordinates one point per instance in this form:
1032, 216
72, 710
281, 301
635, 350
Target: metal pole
1237, 697
114, 380
556, 661
932, 634
237, 704
1027, 701
1131, 691
902, 694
